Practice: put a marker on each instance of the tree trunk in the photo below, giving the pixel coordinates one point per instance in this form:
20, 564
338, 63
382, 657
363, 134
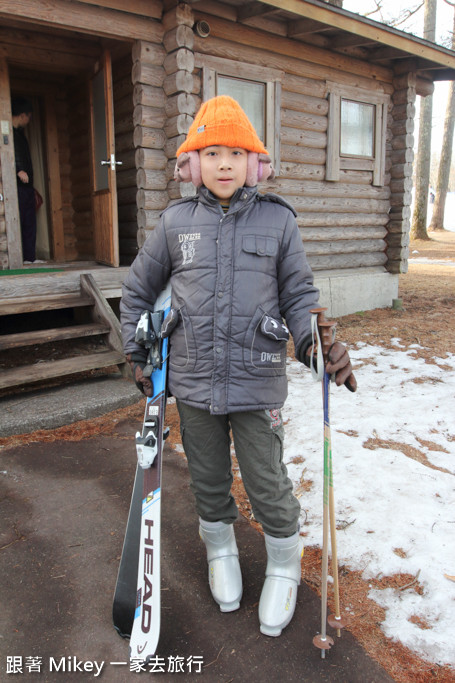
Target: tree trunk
437, 219
419, 218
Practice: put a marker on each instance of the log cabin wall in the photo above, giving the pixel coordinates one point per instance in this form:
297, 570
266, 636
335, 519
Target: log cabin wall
343, 224
149, 136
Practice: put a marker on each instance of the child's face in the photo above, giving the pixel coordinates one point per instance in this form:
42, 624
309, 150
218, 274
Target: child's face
223, 169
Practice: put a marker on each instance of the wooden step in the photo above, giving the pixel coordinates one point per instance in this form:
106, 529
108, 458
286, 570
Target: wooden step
58, 368
48, 302
14, 341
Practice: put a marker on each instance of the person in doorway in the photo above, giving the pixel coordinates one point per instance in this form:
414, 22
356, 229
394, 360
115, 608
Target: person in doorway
21, 109
237, 268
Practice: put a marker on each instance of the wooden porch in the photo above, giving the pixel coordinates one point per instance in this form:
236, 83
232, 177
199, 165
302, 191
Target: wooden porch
55, 324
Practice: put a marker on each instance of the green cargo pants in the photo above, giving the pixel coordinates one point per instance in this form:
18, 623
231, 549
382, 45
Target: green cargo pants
258, 441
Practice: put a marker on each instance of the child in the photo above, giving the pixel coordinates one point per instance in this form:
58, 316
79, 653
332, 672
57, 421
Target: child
237, 268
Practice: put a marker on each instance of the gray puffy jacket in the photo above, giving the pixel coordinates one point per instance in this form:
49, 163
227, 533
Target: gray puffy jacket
234, 278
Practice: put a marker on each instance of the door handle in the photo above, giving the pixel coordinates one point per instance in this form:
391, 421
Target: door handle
111, 162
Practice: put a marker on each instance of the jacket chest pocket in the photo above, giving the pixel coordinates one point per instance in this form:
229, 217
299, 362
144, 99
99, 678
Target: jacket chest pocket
260, 245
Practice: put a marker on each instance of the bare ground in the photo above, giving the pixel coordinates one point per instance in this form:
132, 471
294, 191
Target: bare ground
426, 318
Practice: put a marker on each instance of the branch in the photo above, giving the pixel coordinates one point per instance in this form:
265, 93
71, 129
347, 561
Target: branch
406, 14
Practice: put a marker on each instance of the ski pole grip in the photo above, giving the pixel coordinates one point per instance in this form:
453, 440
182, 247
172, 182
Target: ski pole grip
326, 329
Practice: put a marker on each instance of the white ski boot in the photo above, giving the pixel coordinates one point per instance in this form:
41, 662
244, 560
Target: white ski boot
279, 594
225, 577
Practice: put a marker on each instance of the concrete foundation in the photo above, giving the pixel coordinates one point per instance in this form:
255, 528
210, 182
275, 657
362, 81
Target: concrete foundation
349, 293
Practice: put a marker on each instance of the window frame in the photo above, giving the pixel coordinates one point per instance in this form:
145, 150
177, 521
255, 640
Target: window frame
212, 67
335, 160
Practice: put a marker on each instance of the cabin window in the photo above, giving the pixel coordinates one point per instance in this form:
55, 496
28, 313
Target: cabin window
251, 96
356, 129
356, 132
257, 90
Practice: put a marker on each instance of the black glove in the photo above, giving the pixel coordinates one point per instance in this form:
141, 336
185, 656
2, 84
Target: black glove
138, 361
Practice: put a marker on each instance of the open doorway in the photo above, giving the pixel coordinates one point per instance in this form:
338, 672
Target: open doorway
78, 219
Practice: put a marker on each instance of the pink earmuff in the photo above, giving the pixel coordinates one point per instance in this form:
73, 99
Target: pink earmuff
188, 169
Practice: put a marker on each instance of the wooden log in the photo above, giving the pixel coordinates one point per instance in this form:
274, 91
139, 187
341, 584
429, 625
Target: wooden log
403, 141
178, 125
301, 171
424, 87
403, 169
307, 188
124, 106
179, 36
405, 96
152, 200
407, 110
128, 160
148, 53
304, 86
303, 138
151, 180
171, 146
301, 120
333, 261
401, 199
402, 127
124, 125
397, 240
405, 80
304, 103
126, 178
399, 226
149, 117
302, 155
148, 219
345, 247
321, 219
153, 159
398, 253
180, 60
339, 204
400, 213
182, 14
147, 74
398, 185
397, 267
182, 103
152, 138
181, 81
347, 232
148, 96
402, 157
127, 195
123, 88
174, 190
124, 143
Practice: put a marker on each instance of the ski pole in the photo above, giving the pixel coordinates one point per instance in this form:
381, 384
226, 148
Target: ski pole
324, 331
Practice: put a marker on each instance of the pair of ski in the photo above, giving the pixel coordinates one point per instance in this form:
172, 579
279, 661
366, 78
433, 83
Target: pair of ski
136, 606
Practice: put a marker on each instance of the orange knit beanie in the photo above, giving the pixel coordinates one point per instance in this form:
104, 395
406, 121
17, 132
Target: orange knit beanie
222, 121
